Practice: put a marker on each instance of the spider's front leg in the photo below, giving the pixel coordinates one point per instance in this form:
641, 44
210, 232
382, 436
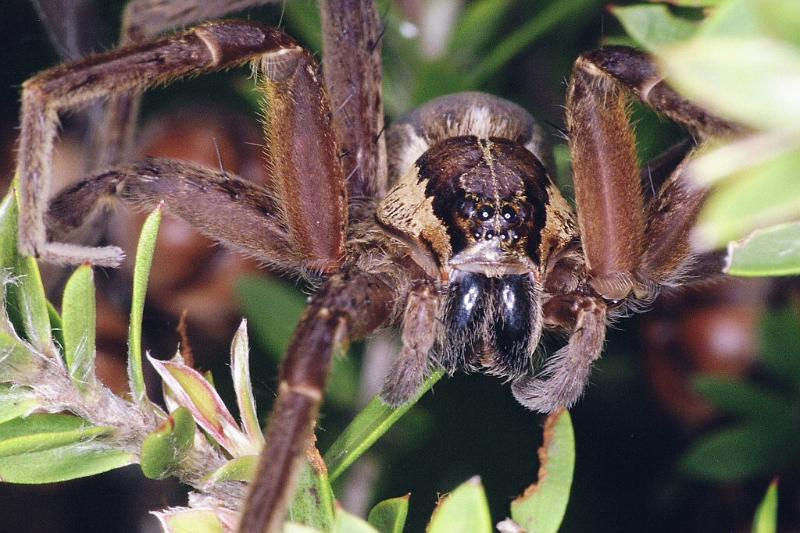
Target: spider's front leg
631, 246
305, 169
349, 306
566, 372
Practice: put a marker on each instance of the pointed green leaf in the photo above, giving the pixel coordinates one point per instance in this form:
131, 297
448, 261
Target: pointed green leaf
772, 251
766, 517
141, 274
367, 427
39, 432
348, 523
81, 459
33, 306
165, 448
45, 448
541, 508
79, 319
192, 391
464, 510
654, 25
16, 401
313, 503
389, 516
26, 299
242, 384
237, 469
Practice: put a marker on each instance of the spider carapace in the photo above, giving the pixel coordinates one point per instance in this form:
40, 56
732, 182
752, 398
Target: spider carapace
479, 214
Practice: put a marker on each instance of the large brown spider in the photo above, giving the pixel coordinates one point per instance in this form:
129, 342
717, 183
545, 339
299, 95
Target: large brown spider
447, 225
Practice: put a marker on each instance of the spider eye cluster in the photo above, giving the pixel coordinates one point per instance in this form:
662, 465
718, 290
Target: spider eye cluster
472, 203
489, 220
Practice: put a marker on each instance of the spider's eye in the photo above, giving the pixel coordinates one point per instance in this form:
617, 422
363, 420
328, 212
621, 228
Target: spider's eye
508, 213
486, 212
467, 207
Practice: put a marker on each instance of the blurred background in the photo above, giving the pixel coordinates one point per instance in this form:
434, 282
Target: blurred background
692, 410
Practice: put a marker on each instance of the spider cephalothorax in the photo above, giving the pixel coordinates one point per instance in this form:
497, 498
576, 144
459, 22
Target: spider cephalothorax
453, 231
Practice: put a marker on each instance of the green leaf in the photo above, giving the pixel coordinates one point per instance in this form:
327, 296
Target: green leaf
738, 397
141, 274
313, 503
548, 19
464, 510
16, 401
760, 196
26, 300
39, 432
754, 18
166, 447
477, 28
242, 384
541, 508
184, 520
772, 251
237, 469
45, 448
752, 81
273, 308
389, 516
780, 351
367, 427
348, 523
654, 25
766, 517
8, 232
72, 461
191, 390
742, 452
79, 319
29, 295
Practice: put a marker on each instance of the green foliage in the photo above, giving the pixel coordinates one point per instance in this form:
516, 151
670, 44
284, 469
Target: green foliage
79, 316
541, 508
743, 63
389, 516
762, 437
141, 273
165, 448
370, 424
45, 448
766, 518
465, 509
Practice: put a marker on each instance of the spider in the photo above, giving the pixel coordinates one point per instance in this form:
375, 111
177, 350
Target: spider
448, 224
